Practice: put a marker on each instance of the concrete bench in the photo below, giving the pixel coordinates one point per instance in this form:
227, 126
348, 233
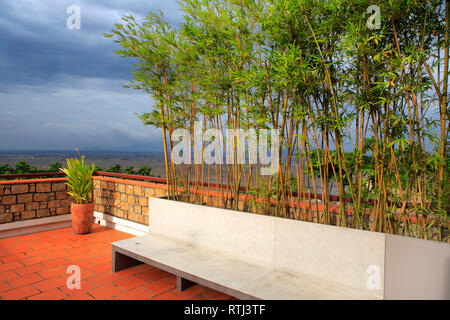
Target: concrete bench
251, 256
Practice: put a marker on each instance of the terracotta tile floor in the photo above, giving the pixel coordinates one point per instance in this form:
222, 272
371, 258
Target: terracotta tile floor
34, 267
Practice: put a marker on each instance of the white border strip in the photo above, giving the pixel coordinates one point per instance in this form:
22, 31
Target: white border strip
19, 228
120, 224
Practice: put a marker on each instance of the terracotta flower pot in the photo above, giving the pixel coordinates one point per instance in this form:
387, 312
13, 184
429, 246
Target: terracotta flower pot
82, 217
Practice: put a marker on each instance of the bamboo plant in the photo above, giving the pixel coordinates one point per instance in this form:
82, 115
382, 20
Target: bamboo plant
362, 113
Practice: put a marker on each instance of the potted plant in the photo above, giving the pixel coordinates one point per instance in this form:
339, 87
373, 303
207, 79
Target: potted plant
79, 179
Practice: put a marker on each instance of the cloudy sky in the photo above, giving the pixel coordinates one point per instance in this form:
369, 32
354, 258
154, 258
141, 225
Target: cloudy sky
60, 88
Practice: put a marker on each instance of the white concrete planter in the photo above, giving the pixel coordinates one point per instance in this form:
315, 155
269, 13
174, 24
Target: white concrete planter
381, 265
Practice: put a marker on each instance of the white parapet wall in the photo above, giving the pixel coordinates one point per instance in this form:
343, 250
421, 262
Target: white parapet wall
123, 225
385, 266
19, 228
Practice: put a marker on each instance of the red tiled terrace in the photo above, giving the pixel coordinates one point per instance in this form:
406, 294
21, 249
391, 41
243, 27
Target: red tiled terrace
34, 267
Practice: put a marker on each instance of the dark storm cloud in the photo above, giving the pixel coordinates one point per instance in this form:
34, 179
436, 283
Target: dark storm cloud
62, 88
36, 45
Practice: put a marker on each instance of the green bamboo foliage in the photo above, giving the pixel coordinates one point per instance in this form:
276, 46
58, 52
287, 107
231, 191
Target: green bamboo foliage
362, 113
79, 179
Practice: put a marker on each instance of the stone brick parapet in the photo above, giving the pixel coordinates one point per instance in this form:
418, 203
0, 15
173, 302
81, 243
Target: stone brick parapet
33, 198
126, 199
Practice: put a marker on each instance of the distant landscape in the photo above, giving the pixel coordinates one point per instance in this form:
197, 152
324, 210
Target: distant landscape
112, 161
104, 160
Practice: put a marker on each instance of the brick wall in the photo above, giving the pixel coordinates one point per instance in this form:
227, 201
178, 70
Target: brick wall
31, 199
122, 198
126, 199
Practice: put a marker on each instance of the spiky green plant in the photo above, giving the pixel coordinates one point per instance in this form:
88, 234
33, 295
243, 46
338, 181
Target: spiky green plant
79, 179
